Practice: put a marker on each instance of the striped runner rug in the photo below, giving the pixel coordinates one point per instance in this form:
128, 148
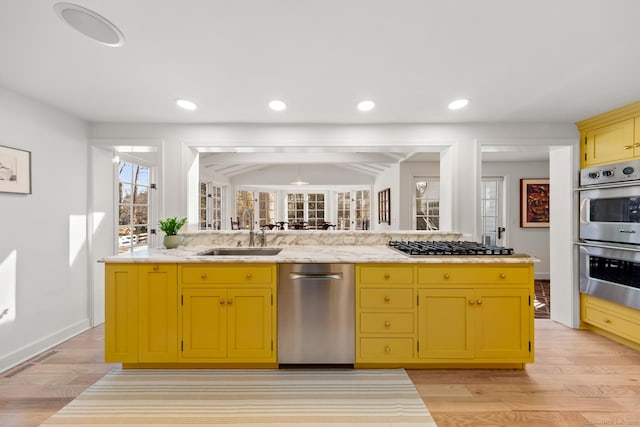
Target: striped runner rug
269, 397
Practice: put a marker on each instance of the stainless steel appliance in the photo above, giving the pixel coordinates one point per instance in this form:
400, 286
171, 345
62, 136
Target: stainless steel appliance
316, 314
610, 232
610, 203
456, 248
611, 273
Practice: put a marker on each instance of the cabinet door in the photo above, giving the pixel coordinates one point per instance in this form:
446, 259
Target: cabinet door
121, 313
158, 313
445, 323
249, 314
502, 319
610, 144
204, 324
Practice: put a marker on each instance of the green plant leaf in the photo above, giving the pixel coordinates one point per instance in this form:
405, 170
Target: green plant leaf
171, 225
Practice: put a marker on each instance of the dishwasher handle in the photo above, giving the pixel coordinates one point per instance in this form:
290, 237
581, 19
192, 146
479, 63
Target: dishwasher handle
323, 276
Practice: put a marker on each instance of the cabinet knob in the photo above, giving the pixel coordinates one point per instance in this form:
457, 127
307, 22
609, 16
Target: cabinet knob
471, 302
221, 302
607, 320
628, 147
203, 275
446, 276
387, 299
248, 275
387, 275
155, 267
230, 301
387, 324
503, 276
387, 349
479, 301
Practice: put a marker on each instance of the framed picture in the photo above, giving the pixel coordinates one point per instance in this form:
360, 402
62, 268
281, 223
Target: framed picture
384, 206
15, 170
534, 202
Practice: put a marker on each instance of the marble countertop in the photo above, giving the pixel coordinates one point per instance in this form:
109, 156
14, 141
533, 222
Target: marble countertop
310, 254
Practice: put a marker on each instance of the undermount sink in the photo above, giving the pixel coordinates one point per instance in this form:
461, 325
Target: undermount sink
241, 251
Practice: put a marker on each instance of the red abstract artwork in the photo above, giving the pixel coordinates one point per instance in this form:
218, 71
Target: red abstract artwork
534, 203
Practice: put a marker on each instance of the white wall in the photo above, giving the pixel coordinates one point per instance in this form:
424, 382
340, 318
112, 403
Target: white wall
43, 250
532, 241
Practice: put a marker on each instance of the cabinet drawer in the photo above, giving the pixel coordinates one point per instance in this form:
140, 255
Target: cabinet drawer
386, 323
611, 322
387, 349
386, 298
386, 274
246, 274
460, 274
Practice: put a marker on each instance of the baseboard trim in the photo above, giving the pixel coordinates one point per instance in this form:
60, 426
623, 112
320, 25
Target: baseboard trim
14, 358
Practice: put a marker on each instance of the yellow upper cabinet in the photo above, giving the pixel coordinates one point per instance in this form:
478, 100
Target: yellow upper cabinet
610, 137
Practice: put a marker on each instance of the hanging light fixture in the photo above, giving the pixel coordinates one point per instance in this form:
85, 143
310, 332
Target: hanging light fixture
299, 181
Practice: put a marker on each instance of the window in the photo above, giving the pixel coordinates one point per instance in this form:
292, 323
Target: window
133, 207
295, 207
266, 208
210, 207
244, 200
427, 204
490, 210
353, 204
315, 210
344, 211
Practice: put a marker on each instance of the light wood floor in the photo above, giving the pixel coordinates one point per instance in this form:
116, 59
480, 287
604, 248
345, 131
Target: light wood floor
578, 379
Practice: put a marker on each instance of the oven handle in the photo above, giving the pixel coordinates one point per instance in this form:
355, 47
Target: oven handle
584, 210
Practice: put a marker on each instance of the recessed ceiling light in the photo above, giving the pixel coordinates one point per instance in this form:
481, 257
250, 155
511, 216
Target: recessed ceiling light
186, 104
90, 24
458, 104
277, 105
366, 105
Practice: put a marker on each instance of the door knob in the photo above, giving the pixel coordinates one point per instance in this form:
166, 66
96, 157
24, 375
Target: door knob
203, 275
221, 302
230, 301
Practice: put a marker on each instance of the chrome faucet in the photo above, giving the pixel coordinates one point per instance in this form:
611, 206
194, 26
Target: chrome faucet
251, 232
262, 238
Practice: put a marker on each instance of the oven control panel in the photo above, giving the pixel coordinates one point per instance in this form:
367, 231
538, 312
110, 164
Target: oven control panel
617, 172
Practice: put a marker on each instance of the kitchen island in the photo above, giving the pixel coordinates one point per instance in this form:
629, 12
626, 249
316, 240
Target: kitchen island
178, 308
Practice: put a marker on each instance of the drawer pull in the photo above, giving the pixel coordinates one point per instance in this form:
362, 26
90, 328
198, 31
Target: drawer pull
387, 275
387, 324
387, 299
628, 147
607, 320
248, 275
387, 349
230, 301
221, 302
155, 267
471, 302
203, 275
479, 301
446, 276
503, 276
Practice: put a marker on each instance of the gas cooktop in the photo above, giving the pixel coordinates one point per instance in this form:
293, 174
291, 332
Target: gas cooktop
417, 248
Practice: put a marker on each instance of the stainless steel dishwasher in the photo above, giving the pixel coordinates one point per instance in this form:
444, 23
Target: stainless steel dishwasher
316, 314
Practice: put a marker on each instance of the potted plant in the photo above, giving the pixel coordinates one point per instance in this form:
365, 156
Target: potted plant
171, 226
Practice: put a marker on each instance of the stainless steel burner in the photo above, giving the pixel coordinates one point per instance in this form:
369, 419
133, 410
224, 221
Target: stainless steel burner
427, 248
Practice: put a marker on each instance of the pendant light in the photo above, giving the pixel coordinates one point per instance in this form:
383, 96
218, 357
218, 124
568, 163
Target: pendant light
299, 181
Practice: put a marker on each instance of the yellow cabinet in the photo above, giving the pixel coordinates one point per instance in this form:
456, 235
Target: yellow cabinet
234, 324
121, 313
141, 313
610, 137
615, 321
227, 313
610, 144
385, 314
475, 314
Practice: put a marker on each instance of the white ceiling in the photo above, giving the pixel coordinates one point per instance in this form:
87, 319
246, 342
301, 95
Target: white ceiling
519, 61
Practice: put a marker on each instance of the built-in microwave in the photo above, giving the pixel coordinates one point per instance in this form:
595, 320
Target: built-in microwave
610, 203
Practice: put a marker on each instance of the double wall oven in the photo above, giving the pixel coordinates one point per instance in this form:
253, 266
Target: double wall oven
610, 232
